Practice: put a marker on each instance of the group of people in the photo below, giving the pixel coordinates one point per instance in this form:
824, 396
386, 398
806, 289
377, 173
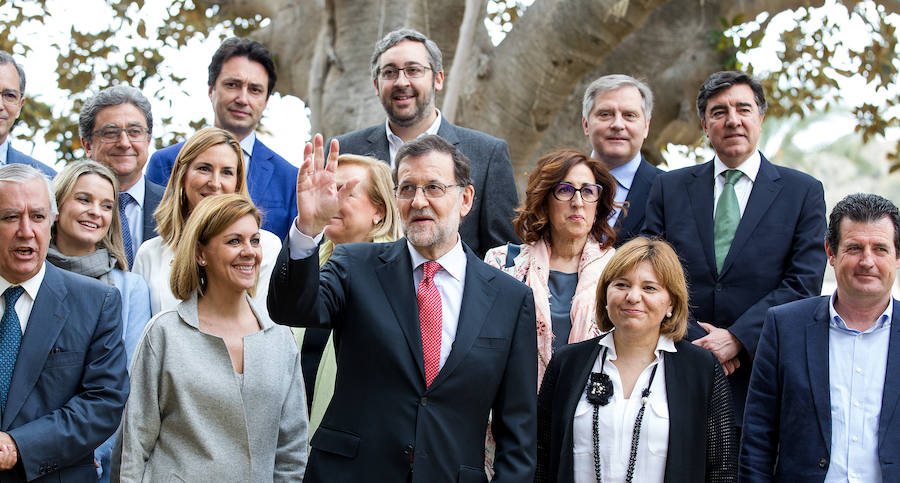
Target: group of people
649, 326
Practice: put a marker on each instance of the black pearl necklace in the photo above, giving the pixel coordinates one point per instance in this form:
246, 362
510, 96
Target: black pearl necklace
599, 391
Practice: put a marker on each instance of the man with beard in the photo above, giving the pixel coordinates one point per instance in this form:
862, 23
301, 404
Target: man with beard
432, 340
407, 70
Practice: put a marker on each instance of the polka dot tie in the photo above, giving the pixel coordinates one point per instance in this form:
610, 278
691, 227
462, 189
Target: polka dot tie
10, 338
124, 199
430, 320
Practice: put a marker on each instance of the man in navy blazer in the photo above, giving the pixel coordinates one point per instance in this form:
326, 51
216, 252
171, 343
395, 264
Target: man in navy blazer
241, 79
616, 119
61, 352
407, 70
414, 388
824, 404
12, 98
772, 253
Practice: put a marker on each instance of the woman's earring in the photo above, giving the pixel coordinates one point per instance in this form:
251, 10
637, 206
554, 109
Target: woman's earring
669, 314
203, 263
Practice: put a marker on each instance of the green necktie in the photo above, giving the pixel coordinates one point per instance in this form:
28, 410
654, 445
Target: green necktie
728, 215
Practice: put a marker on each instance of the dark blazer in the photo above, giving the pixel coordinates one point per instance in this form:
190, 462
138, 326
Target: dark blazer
15, 156
382, 422
702, 415
629, 226
776, 256
787, 423
271, 180
489, 223
70, 382
153, 194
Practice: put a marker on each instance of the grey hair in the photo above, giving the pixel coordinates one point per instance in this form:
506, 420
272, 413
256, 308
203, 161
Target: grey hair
6, 58
23, 173
112, 96
435, 59
615, 81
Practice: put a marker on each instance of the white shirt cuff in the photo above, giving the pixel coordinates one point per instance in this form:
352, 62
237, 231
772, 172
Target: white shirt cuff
301, 245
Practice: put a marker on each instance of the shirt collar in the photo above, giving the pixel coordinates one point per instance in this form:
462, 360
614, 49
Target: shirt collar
137, 191
624, 174
750, 166
4, 150
454, 261
31, 286
663, 344
247, 144
394, 139
884, 320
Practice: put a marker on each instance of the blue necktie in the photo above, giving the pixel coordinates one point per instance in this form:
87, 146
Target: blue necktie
10, 338
124, 199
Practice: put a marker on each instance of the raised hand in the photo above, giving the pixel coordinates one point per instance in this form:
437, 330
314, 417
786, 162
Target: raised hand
318, 198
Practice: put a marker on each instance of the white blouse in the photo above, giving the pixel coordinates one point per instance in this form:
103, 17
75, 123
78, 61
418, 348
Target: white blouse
616, 424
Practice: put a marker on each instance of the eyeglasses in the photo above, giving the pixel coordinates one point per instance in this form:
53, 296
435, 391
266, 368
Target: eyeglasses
112, 134
10, 96
430, 190
590, 192
412, 71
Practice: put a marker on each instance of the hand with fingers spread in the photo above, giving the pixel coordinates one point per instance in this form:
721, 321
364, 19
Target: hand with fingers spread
318, 197
723, 344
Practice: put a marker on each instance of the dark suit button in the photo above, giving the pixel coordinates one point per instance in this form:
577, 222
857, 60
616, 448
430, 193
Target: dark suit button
822, 463
407, 450
718, 287
423, 401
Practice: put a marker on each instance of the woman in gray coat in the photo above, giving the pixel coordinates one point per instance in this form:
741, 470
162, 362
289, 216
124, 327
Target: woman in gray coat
216, 389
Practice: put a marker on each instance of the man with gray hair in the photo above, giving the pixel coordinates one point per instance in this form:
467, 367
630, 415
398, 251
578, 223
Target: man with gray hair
115, 127
63, 380
616, 119
12, 98
407, 71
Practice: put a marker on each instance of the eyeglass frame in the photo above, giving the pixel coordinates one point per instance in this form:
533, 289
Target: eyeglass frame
425, 68
577, 190
443, 187
119, 130
4, 93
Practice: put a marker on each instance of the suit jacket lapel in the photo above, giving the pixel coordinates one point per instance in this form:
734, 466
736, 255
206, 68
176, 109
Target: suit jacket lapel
817, 367
700, 191
44, 325
640, 190
677, 397
396, 280
447, 131
259, 173
378, 144
478, 297
891, 393
574, 387
765, 189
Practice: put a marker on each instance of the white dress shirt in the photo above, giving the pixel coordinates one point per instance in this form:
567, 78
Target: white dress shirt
624, 176
744, 184
4, 148
450, 280
394, 141
134, 211
26, 301
857, 362
616, 423
247, 147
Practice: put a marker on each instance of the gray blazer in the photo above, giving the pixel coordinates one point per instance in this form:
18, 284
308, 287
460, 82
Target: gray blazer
189, 419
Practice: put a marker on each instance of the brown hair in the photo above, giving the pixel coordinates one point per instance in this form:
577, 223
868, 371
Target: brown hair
667, 267
210, 217
532, 222
172, 211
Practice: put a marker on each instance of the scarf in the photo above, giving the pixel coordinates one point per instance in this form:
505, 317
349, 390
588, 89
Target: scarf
96, 264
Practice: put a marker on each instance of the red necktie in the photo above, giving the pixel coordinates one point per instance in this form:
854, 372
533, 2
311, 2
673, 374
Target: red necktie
430, 320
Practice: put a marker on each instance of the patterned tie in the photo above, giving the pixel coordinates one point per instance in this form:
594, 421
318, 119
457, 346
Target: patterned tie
124, 199
10, 338
430, 320
728, 216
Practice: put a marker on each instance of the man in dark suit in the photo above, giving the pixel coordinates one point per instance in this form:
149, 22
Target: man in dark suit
12, 98
824, 404
63, 380
617, 110
748, 232
241, 79
115, 127
407, 70
429, 339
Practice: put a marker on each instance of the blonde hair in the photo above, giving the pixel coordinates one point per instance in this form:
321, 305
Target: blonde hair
210, 217
64, 185
380, 192
172, 211
667, 267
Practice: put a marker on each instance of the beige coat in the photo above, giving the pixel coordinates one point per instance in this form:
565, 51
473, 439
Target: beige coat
189, 419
